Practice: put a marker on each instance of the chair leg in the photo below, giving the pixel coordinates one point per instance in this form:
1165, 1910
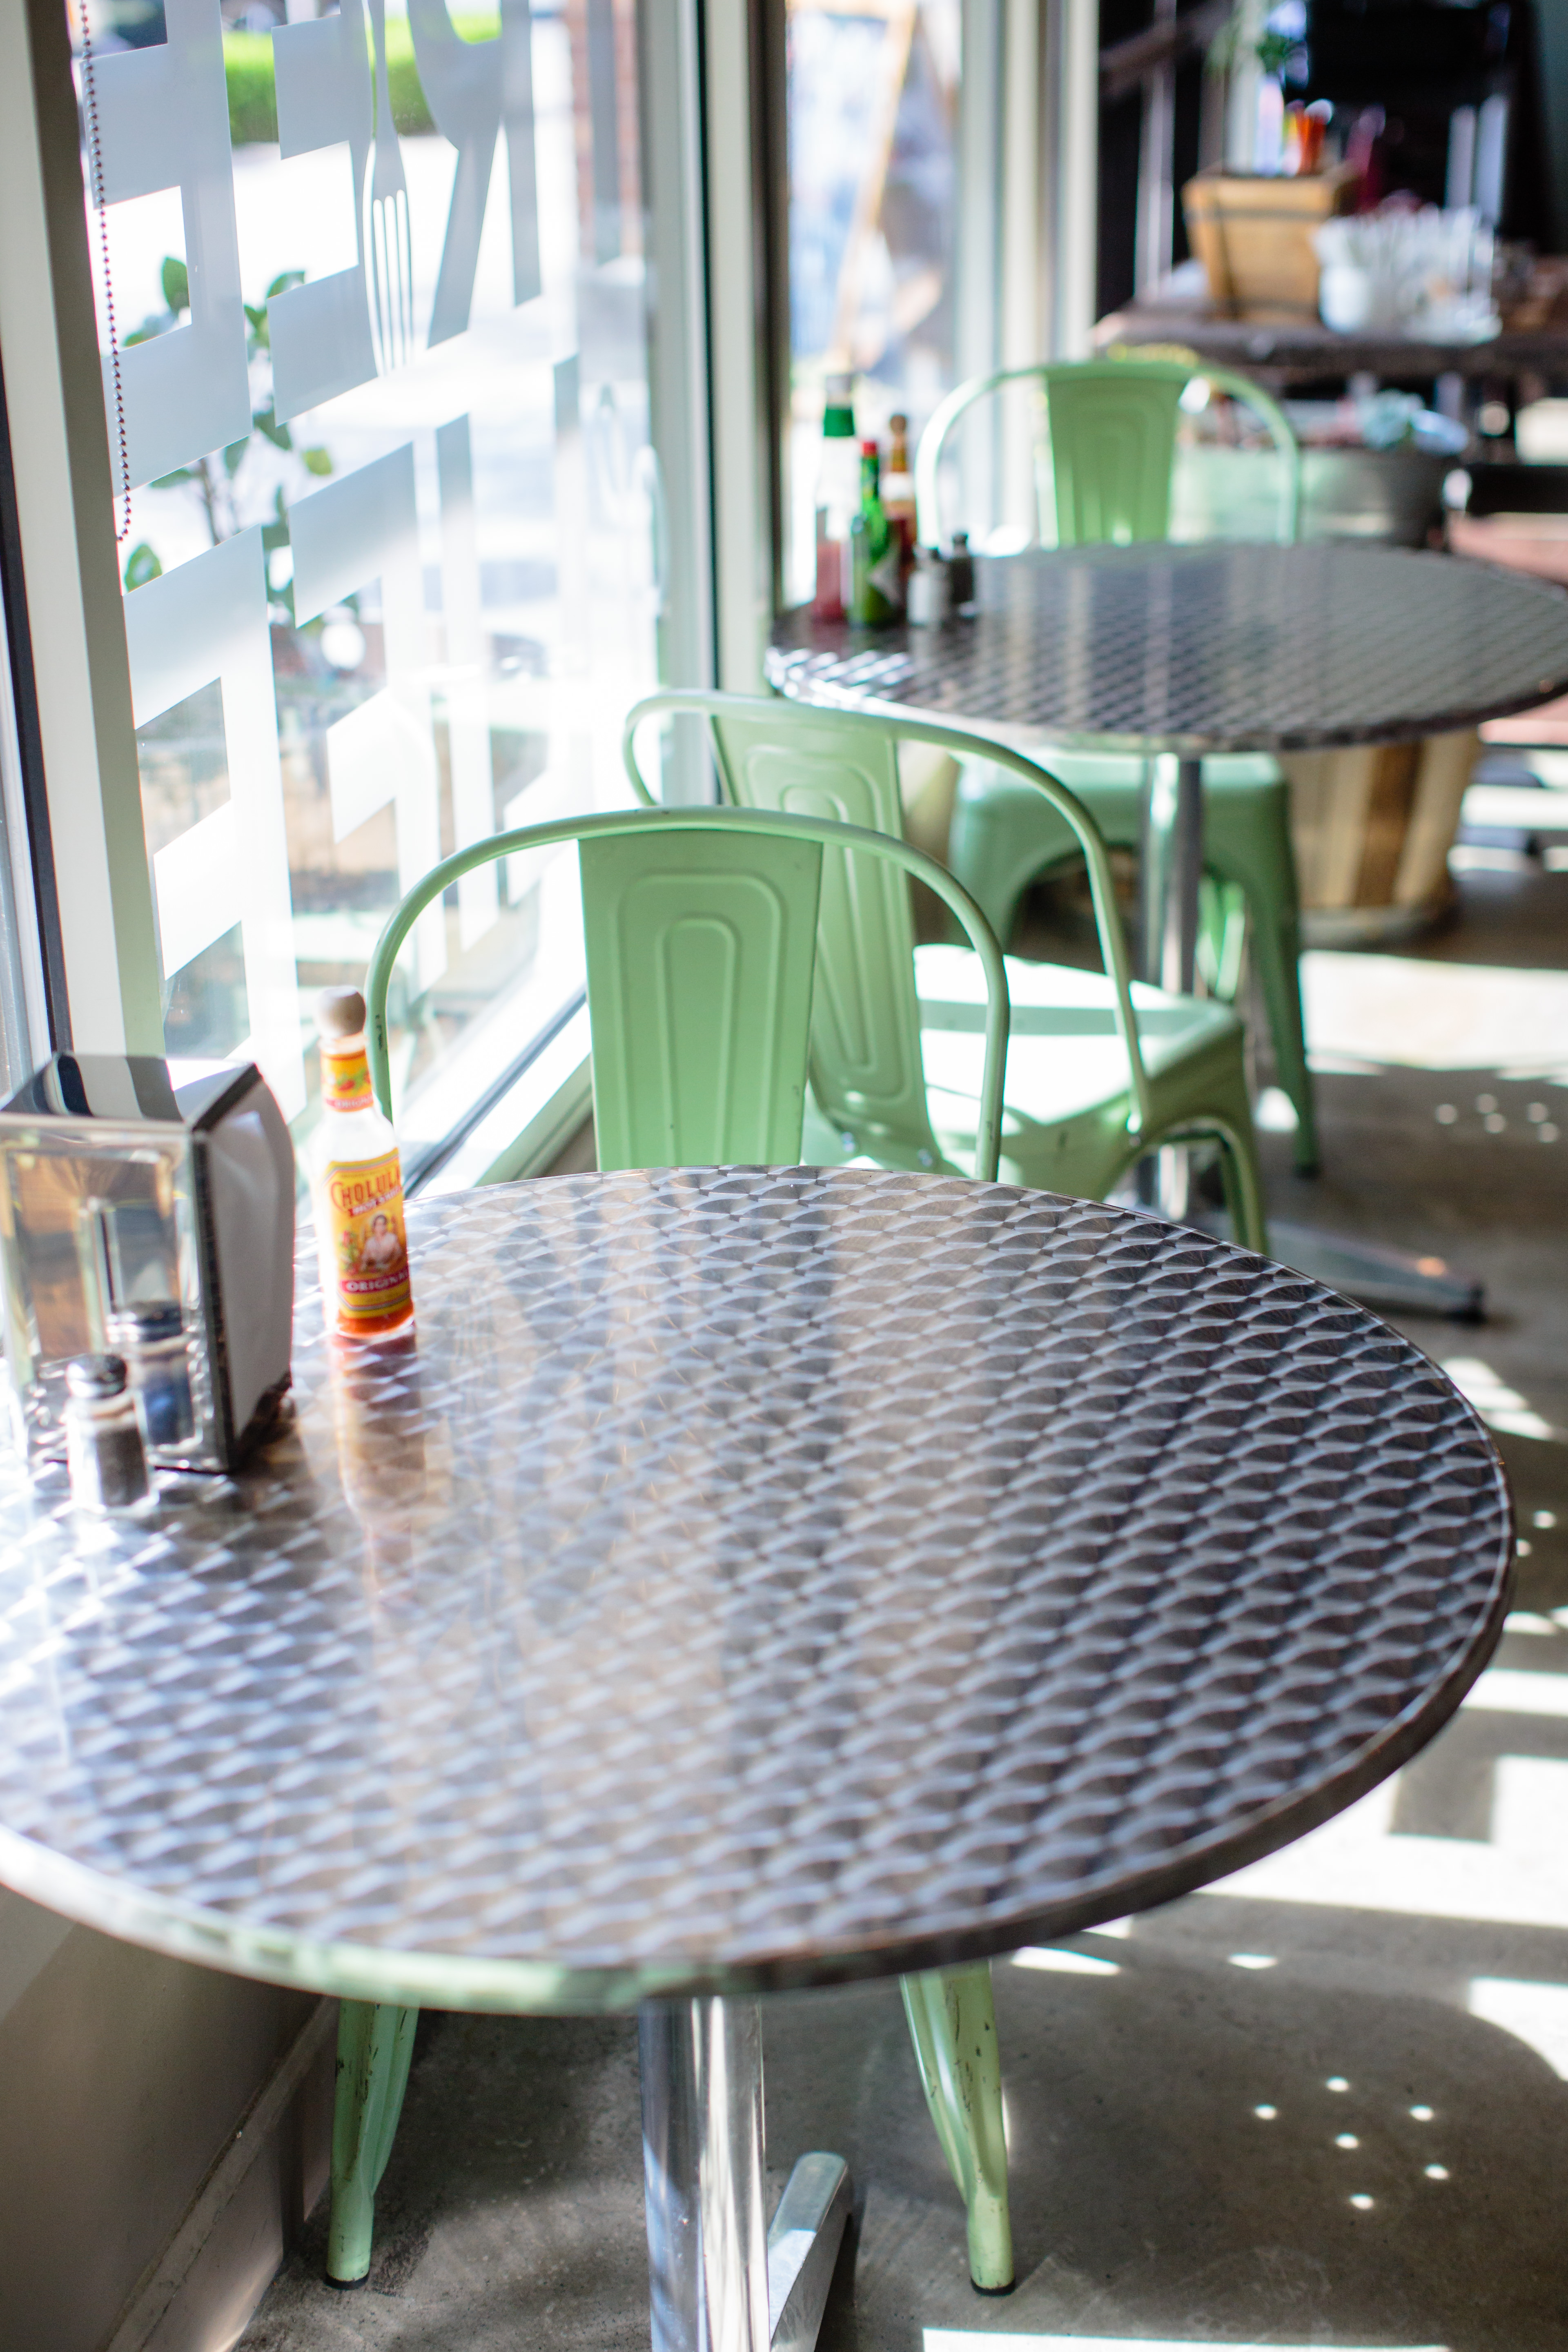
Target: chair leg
1243, 1179
375, 2042
1252, 852
1276, 950
1222, 936
952, 2023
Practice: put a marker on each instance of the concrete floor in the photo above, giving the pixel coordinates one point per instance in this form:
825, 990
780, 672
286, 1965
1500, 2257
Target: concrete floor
1322, 2103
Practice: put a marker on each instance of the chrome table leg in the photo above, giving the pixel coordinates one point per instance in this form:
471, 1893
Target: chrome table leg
718, 2283
1171, 866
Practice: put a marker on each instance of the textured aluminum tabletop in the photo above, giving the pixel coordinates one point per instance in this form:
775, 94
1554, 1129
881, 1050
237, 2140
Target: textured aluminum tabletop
1219, 647
752, 1578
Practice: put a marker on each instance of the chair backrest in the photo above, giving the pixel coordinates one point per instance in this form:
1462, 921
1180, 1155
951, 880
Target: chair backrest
700, 935
865, 1036
866, 1027
1112, 425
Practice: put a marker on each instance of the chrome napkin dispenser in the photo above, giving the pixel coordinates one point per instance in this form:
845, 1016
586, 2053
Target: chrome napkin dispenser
155, 1222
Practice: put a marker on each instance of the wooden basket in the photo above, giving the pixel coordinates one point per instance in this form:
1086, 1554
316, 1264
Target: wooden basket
1372, 828
1254, 237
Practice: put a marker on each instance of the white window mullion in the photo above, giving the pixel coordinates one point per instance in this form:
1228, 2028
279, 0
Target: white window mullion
64, 503
742, 560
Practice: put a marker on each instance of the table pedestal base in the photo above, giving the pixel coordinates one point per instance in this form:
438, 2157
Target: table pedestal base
1390, 1281
719, 2283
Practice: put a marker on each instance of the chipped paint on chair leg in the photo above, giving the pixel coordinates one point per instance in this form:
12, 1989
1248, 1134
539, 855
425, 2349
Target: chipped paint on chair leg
952, 2023
375, 2042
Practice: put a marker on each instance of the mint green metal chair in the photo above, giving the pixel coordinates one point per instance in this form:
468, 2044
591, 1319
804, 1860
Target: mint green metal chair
1113, 438
699, 1049
1002, 840
1101, 1069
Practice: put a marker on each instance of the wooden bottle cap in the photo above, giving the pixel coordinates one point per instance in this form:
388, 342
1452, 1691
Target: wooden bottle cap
340, 1013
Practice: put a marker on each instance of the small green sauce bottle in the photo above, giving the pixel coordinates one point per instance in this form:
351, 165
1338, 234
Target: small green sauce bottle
873, 552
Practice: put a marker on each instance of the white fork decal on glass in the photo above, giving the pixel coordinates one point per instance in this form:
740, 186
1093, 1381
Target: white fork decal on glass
390, 240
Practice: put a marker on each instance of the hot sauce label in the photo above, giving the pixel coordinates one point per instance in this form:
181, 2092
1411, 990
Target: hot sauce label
345, 1079
367, 1238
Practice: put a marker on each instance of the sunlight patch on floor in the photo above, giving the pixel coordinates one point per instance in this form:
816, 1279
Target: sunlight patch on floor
1516, 1877
1382, 1010
1532, 2013
1514, 1690
1274, 1112
1067, 1964
1499, 1406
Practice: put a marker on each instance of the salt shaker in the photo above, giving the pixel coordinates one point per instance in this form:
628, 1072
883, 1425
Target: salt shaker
927, 603
103, 1436
150, 1336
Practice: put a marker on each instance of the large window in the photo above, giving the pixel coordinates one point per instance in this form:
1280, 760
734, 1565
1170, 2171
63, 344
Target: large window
371, 302
873, 190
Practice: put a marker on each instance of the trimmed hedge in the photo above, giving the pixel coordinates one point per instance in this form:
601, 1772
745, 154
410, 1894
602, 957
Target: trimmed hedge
253, 102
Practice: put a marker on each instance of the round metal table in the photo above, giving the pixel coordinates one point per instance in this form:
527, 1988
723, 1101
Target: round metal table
748, 1578
1183, 650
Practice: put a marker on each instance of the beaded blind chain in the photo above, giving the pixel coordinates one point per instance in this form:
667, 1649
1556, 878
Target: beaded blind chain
95, 166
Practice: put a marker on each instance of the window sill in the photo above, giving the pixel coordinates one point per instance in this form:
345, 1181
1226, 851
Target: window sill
525, 1129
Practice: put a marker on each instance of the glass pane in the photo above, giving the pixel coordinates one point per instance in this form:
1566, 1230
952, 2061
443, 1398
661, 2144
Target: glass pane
873, 118
381, 395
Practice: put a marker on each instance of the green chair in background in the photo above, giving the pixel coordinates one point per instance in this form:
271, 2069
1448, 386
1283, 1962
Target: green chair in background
1113, 440
1002, 841
700, 929
1101, 1069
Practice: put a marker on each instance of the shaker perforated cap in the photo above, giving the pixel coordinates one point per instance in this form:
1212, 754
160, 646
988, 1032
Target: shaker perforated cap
339, 1012
95, 1376
145, 1319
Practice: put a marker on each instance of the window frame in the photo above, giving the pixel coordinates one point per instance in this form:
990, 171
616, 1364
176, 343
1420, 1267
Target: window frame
34, 1014
97, 880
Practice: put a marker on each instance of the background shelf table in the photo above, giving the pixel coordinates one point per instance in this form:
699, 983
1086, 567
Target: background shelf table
1289, 354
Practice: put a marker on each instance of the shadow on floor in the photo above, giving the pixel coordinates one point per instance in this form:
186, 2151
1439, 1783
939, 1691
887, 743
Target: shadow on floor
1184, 2162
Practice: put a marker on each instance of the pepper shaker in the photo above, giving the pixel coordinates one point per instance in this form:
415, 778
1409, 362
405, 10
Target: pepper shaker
927, 604
103, 1435
961, 574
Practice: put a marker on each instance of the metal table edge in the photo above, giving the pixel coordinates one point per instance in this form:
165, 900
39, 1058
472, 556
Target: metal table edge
525, 1988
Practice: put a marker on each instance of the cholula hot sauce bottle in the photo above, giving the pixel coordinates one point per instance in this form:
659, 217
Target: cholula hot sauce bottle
357, 1185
